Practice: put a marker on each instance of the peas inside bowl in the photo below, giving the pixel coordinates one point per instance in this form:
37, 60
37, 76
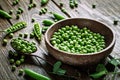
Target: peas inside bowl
89, 56
75, 40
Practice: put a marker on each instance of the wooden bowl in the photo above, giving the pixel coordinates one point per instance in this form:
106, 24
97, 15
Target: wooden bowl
81, 59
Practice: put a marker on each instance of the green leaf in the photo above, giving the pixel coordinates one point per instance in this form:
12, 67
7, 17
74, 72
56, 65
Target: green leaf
61, 71
100, 71
56, 66
98, 74
101, 67
57, 70
114, 62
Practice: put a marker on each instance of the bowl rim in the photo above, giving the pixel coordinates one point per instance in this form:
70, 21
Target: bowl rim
88, 54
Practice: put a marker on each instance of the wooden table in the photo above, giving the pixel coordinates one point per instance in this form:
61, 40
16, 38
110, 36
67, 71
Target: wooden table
106, 11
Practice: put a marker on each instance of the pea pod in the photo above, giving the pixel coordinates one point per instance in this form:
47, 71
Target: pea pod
15, 27
58, 16
37, 31
35, 75
4, 14
47, 22
44, 2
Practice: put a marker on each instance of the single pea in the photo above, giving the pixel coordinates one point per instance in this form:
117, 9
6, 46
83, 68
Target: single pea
115, 22
18, 11
43, 11
31, 1
11, 35
61, 4
13, 68
20, 35
93, 6
12, 61
34, 4
10, 52
15, 54
22, 57
22, 60
21, 71
40, 12
76, 3
4, 42
11, 11
18, 62
29, 7
33, 20
25, 35
72, 5
21, 9
17, 16
14, 3
63, 10
32, 35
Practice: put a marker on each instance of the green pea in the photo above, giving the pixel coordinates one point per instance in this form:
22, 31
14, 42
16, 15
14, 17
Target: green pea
25, 35
4, 42
12, 61
63, 10
40, 12
11, 35
115, 22
17, 16
43, 10
31, 1
21, 9
13, 68
93, 6
34, 4
20, 72
72, 5
32, 35
11, 11
20, 35
18, 62
61, 4
33, 20
19, 12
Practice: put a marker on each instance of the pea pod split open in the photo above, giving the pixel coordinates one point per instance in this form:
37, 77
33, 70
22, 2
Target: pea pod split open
37, 31
15, 27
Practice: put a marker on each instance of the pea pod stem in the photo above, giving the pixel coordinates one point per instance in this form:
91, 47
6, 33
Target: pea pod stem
4, 14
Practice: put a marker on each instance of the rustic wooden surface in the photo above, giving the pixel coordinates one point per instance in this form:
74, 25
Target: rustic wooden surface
106, 11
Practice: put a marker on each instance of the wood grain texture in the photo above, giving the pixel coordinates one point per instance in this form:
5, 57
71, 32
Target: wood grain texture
106, 11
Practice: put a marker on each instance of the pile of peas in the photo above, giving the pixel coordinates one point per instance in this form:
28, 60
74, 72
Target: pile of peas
23, 46
75, 40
